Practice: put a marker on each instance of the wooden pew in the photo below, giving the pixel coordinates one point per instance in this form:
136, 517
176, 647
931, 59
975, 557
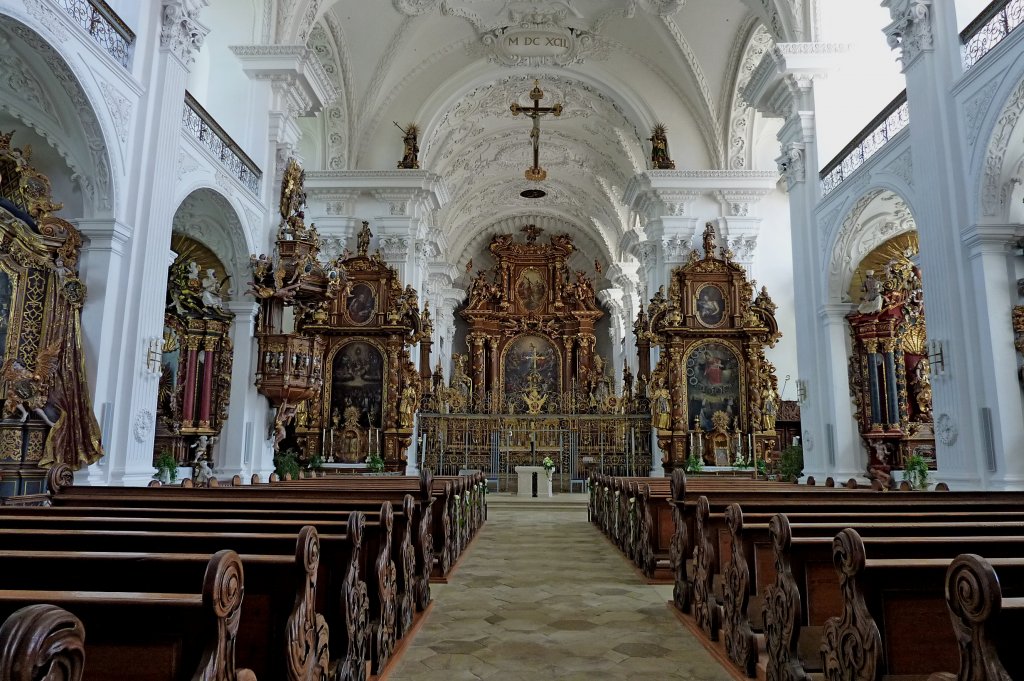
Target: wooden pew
282, 635
306, 505
43, 639
344, 598
172, 636
985, 621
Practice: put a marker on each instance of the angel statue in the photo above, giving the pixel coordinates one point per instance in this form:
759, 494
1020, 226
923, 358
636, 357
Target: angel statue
27, 392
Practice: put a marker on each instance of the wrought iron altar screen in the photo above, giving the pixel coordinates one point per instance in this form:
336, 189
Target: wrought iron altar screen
618, 444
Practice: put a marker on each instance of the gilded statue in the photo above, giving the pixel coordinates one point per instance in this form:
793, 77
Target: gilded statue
661, 405
709, 240
534, 400
769, 407
410, 155
407, 406
922, 386
659, 149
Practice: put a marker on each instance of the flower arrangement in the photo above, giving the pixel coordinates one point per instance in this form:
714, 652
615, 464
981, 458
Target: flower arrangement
915, 471
166, 468
374, 463
549, 466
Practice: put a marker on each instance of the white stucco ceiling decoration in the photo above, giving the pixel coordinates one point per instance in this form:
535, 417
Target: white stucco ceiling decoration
454, 67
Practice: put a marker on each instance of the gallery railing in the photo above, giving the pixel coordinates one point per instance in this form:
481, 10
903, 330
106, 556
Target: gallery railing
103, 24
875, 135
577, 444
201, 125
989, 29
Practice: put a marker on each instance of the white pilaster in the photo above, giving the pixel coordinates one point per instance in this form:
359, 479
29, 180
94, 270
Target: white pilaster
146, 284
239, 443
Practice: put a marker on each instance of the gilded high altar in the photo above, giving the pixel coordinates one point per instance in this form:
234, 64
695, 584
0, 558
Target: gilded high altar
713, 394
531, 326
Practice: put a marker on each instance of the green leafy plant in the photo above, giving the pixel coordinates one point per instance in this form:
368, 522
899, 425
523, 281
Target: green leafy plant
915, 471
762, 468
316, 462
374, 463
166, 463
694, 464
791, 463
287, 463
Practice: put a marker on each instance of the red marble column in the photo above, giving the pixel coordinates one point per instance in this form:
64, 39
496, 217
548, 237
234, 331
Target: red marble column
188, 402
207, 394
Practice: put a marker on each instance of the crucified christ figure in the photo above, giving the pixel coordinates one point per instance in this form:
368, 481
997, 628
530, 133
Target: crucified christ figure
536, 173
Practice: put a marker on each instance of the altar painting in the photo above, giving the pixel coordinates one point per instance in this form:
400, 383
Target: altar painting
531, 360
357, 382
712, 385
361, 303
531, 290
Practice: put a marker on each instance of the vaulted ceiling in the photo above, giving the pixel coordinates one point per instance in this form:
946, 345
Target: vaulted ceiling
631, 64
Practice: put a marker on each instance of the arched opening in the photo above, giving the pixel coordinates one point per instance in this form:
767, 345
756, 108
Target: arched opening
890, 362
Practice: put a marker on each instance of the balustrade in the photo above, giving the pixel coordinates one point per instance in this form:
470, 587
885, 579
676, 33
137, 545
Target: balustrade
103, 24
201, 125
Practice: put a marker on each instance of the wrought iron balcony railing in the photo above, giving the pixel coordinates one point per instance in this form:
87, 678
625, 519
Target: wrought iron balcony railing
103, 24
882, 128
200, 124
989, 29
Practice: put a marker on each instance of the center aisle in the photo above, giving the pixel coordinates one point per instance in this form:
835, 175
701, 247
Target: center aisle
542, 595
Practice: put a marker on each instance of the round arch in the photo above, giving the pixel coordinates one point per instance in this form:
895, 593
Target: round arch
74, 126
207, 216
993, 164
876, 216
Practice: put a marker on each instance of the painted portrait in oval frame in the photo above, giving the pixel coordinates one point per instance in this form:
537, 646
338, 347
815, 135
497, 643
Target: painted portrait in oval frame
710, 306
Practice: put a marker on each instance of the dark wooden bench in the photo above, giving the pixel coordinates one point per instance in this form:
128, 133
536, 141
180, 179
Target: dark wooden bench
357, 576
148, 635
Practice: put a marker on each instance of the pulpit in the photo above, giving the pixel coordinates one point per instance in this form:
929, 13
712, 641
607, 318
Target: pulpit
526, 474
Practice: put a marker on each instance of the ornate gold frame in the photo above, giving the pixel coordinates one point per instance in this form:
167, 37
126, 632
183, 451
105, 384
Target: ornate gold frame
510, 342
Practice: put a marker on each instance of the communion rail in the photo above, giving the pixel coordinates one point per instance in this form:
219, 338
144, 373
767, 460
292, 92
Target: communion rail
578, 444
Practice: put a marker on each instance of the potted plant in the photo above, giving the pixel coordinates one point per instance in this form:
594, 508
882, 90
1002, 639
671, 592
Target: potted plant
166, 469
694, 464
791, 463
316, 463
374, 463
286, 464
915, 471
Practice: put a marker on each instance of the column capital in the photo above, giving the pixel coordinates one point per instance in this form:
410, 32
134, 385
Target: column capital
782, 83
836, 311
299, 81
980, 239
911, 28
242, 309
181, 32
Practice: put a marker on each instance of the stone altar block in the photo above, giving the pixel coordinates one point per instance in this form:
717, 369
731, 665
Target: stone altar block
525, 487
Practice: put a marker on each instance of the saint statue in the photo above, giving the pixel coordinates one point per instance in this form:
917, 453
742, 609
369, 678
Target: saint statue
410, 156
659, 149
871, 302
661, 405
363, 239
769, 408
709, 240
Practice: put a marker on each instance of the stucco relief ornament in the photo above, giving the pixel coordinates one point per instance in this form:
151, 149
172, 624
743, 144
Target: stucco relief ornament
144, 422
911, 27
808, 441
946, 429
791, 164
180, 30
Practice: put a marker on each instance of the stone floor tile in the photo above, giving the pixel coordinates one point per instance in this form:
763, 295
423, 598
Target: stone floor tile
543, 595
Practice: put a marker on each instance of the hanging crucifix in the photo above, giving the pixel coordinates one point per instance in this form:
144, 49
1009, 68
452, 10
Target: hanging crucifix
536, 173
